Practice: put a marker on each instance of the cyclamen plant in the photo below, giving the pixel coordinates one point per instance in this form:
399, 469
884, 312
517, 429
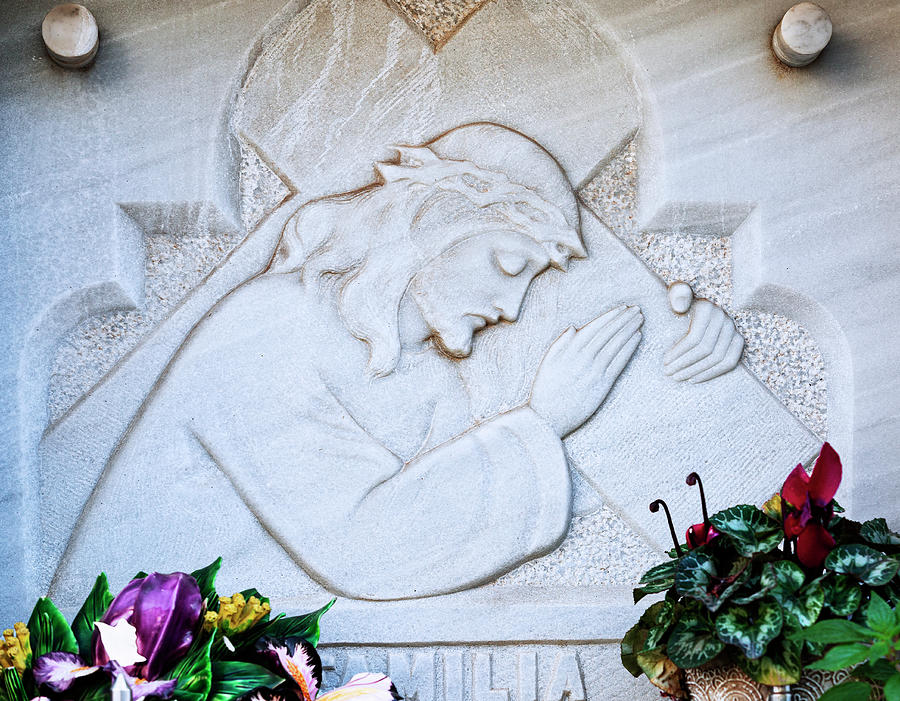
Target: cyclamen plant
749, 581
170, 636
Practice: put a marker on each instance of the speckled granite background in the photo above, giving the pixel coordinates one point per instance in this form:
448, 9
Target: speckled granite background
175, 265
778, 350
438, 20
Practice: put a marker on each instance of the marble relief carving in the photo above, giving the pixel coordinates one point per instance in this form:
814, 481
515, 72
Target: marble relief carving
336, 366
419, 385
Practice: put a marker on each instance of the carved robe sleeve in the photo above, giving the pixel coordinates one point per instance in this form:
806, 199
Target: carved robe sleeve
365, 524
463, 513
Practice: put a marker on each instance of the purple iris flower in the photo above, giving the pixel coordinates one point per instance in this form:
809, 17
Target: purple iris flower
164, 610
57, 671
162, 688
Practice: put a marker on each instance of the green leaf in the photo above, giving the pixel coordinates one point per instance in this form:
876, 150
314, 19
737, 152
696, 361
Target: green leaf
92, 610
50, 632
663, 615
814, 649
206, 580
782, 578
843, 656
834, 630
880, 616
253, 591
655, 580
744, 600
640, 592
695, 574
749, 529
877, 531
662, 672
232, 679
842, 595
11, 688
802, 609
692, 643
848, 691
755, 587
631, 644
865, 563
876, 670
734, 626
305, 626
892, 688
664, 571
779, 666
698, 578
194, 672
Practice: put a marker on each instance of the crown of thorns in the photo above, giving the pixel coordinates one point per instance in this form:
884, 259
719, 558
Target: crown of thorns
526, 210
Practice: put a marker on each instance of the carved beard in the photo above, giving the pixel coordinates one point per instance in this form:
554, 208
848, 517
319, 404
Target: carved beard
456, 343
450, 333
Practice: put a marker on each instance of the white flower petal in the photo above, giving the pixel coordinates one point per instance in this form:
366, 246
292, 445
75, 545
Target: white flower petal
120, 642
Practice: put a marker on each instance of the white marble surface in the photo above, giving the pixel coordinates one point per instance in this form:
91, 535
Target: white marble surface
147, 150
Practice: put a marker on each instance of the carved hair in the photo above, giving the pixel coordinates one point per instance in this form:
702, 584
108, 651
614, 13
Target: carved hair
379, 237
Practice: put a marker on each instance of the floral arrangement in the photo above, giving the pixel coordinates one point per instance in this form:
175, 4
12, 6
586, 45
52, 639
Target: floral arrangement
170, 636
767, 589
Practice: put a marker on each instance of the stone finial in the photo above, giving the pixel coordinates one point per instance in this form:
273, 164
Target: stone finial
71, 35
801, 35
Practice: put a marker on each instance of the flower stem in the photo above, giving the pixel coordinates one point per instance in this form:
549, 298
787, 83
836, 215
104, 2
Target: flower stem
691, 480
654, 507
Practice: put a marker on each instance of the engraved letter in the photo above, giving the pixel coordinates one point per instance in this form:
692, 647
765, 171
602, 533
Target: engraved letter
482, 681
566, 683
453, 676
414, 682
527, 676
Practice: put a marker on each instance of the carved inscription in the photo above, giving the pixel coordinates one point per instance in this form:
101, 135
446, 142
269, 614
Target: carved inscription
453, 674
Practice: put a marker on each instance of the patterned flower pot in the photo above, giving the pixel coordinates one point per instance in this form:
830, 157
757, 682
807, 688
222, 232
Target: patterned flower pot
729, 683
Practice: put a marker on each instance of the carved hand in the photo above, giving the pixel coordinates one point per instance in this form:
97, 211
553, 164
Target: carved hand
711, 347
581, 367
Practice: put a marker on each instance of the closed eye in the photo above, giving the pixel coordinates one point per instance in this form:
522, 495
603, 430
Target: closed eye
510, 263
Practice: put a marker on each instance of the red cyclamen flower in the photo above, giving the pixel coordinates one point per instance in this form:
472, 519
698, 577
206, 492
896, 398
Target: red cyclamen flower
808, 505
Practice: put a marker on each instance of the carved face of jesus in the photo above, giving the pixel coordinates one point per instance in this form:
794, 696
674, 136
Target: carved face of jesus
476, 283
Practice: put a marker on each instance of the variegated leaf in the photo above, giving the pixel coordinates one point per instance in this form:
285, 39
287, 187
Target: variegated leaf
842, 594
877, 531
803, 609
749, 529
780, 665
693, 643
662, 672
752, 634
866, 564
782, 578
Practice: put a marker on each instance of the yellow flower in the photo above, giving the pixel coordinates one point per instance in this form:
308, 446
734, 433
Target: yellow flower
209, 621
15, 649
237, 614
772, 507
